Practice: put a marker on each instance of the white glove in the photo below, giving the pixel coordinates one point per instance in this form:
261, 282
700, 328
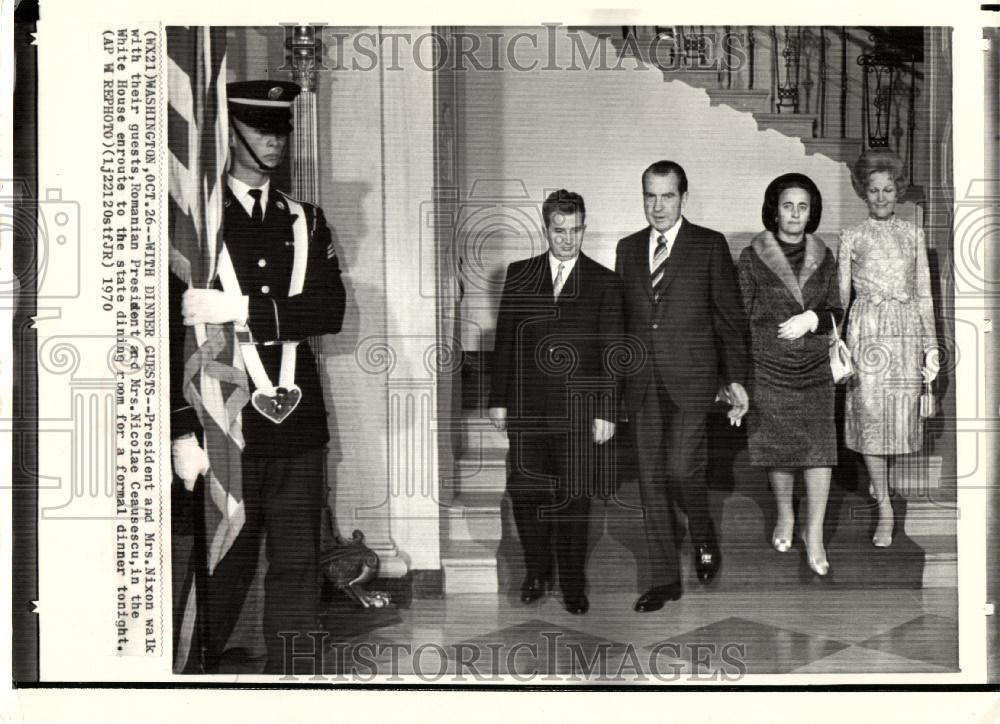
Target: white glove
211, 306
602, 431
797, 325
498, 416
189, 459
932, 365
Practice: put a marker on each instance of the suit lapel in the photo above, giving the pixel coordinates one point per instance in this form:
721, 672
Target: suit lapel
541, 276
277, 214
230, 201
678, 252
571, 284
640, 258
815, 251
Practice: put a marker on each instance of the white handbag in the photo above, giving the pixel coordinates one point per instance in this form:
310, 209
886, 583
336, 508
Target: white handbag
841, 364
928, 405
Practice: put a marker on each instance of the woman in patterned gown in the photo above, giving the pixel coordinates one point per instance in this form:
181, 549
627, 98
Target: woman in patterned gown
890, 328
788, 279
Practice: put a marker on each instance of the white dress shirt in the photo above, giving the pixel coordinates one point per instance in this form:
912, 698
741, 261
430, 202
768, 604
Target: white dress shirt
654, 237
242, 190
567, 267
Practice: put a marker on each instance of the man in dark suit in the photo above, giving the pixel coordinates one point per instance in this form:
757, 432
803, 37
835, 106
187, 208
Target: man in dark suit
553, 389
283, 285
682, 301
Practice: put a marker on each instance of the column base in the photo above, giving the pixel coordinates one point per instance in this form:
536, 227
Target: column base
391, 563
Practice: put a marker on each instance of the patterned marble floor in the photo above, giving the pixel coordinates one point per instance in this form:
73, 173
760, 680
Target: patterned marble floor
704, 637
765, 615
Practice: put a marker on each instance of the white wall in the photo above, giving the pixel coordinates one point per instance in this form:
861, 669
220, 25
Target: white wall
593, 132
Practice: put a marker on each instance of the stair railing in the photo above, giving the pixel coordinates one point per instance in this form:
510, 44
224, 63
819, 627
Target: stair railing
804, 67
787, 68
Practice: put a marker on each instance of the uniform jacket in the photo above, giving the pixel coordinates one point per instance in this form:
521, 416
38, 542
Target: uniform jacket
262, 258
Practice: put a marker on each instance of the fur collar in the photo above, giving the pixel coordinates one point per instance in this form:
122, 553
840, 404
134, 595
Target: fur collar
770, 253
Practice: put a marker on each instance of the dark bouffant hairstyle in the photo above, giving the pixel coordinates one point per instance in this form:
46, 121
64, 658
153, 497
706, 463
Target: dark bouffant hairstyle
872, 161
769, 209
565, 201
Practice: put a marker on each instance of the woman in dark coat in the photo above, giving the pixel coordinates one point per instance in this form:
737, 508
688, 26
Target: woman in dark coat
790, 291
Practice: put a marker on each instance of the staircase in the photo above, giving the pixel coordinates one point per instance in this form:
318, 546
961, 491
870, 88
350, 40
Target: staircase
758, 101
480, 551
922, 554
472, 520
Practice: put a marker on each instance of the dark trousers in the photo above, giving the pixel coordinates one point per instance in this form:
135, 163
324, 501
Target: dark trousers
284, 498
671, 446
550, 478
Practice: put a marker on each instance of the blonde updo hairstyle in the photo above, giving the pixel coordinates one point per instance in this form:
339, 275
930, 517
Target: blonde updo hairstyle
872, 161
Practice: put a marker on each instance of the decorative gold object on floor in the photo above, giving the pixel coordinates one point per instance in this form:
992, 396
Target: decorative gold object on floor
350, 564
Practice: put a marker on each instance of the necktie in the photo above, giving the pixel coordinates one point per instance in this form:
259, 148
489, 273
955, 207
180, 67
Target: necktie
659, 265
257, 214
558, 284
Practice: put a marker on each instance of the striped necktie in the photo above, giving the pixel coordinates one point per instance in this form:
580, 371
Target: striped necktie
257, 214
558, 284
659, 265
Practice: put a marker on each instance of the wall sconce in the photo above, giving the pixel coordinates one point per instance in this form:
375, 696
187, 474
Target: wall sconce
304, 53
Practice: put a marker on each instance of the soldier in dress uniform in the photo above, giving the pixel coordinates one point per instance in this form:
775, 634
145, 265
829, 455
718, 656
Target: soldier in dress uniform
282, 286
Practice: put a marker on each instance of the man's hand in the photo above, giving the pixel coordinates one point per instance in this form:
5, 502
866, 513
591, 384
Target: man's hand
498, 416
189, 459
211, 306
739, 402
797, 325
602, 431
723, 395
932, 365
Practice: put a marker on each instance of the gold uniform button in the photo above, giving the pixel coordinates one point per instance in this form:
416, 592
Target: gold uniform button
265, 289
262, 263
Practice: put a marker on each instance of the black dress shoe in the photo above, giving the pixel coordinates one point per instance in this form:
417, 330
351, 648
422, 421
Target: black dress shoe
577, 605
532, 589
654, 598
706, 562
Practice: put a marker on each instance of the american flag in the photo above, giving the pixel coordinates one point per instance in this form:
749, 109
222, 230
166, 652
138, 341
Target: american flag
215, 383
